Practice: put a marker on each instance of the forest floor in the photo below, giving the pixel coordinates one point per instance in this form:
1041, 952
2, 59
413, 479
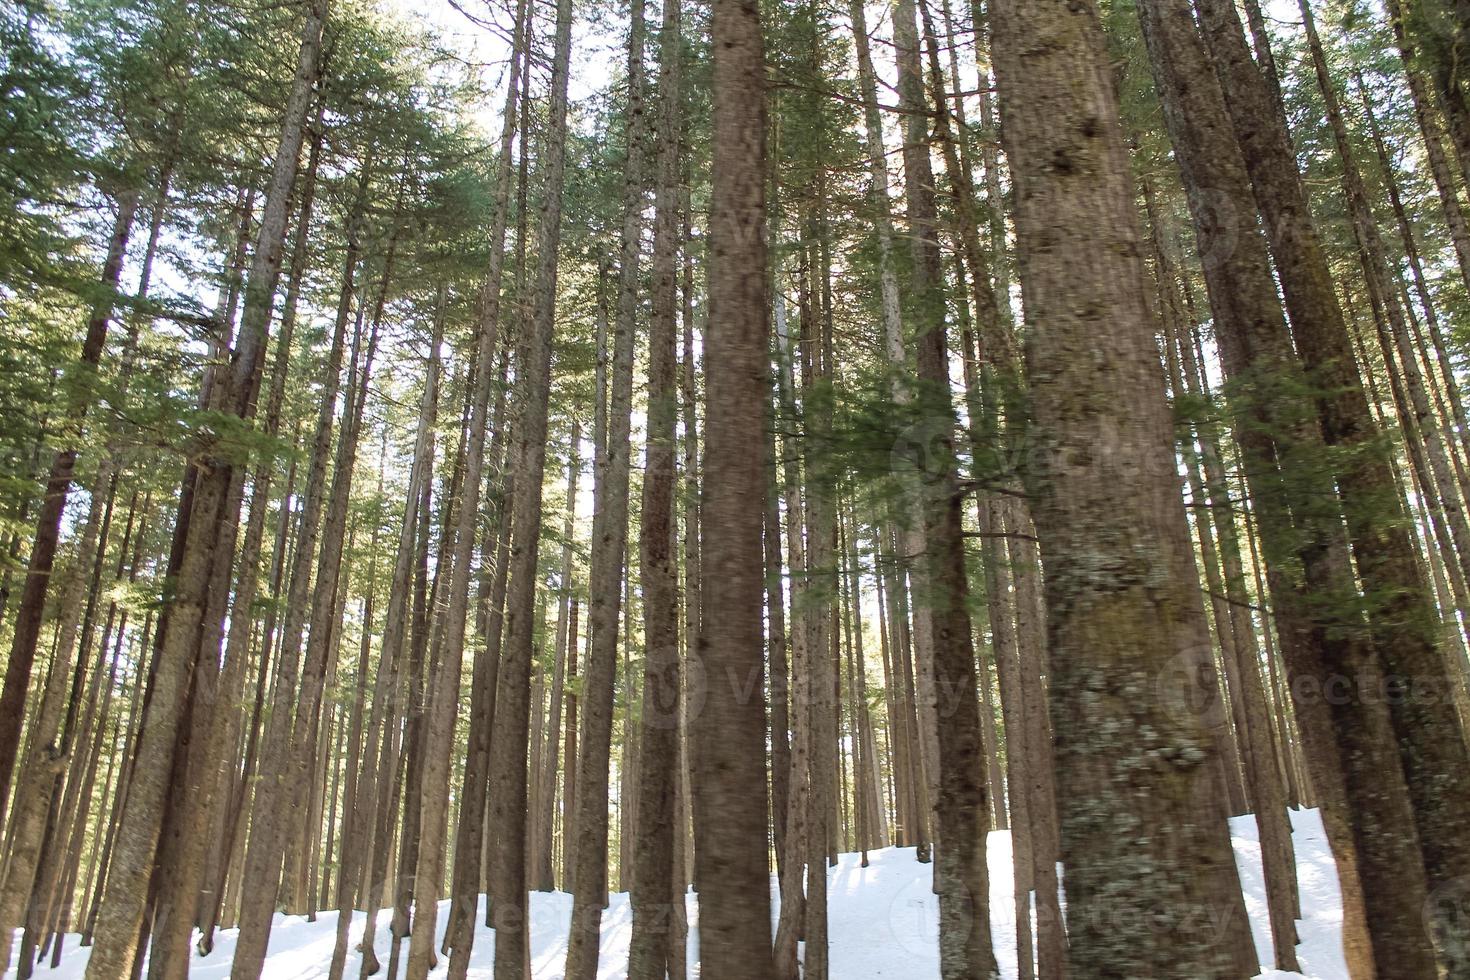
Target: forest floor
883, 921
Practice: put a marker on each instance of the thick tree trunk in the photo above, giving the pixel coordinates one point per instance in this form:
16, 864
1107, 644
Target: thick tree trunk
1112, 633
730, 797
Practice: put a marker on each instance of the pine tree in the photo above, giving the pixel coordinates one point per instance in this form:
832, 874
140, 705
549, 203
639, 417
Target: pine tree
730, 800
1110, 636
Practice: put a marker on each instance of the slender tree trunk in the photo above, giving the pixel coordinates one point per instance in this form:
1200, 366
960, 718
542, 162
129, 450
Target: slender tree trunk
965, 948
226, 724
274, 791
693, 575
27, 628
589, 841
123, 905
797, 811
655, 889
1427, 733
378, 799
508, 745
1244, 301
32, 821
445, 698
1433, 136
781, 747
543, 874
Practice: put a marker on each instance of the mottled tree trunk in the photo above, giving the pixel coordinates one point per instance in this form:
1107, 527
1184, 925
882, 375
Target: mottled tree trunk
1117, 596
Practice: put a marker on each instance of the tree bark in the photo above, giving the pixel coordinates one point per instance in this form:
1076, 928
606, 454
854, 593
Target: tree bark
508, 744
123, 906
27, 628
730, 792
1117, 595
655, 890
965, 947
589, 827
1427, 734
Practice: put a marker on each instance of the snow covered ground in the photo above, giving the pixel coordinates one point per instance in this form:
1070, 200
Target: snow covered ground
883, 921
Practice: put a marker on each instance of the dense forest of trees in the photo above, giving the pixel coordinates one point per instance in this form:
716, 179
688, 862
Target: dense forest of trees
642, 447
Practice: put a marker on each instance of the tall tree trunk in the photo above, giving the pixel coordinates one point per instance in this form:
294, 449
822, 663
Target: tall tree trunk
378, 799
508, 745
226, 723
123, 905
797, 811
965, 948
32, 822
589, 840
1111, 634
1433, 136
543, 876
655, 889
1426, 731
274, 792
445, 699
27, 628
730, 793
780, 675
1247, 315
693, 576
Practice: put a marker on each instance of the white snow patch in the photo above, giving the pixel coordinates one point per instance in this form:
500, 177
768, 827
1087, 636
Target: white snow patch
883, 921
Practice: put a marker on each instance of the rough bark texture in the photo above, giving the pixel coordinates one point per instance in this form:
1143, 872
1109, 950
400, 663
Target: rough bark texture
1118, 602
1248, 315
730, 795
1428, 736
655, 891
